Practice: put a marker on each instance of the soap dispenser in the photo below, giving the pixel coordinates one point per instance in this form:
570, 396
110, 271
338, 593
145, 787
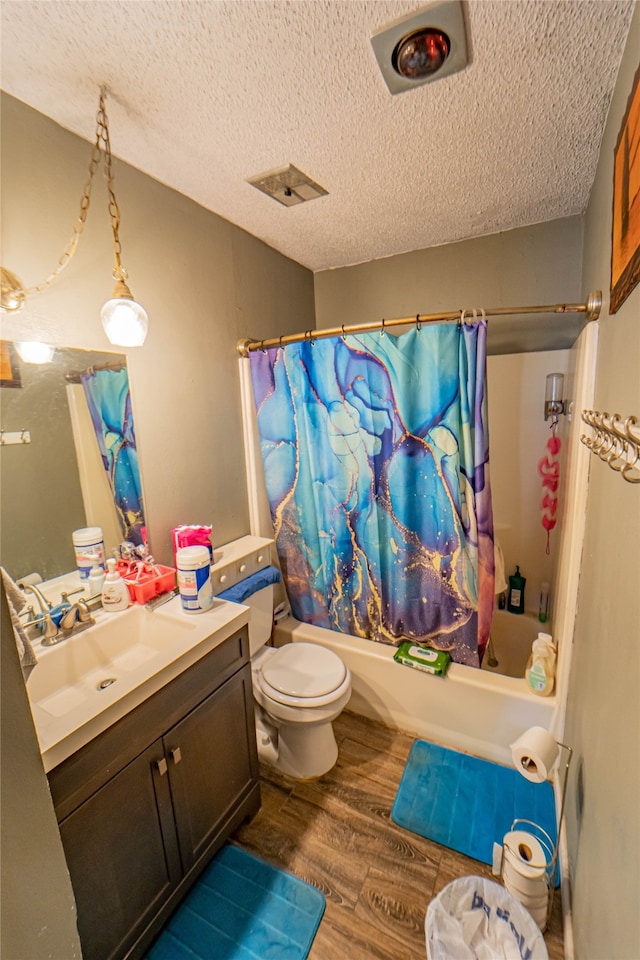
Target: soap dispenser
96, 580
115, 594
541, 666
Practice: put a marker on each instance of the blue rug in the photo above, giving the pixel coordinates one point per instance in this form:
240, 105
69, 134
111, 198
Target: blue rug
466, 803
242, 908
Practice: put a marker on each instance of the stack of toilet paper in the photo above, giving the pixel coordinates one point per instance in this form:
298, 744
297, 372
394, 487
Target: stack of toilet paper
524, 868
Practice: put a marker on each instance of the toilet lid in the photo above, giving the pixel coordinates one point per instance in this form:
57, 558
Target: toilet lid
304, 670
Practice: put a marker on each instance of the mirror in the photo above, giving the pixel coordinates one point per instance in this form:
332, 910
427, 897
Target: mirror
57, 482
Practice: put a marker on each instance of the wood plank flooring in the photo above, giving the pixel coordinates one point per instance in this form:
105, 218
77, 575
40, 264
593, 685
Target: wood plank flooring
337, 834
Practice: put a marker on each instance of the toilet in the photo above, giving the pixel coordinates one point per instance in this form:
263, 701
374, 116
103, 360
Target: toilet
298, 689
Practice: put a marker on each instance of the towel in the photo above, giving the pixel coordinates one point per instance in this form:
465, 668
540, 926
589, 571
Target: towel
16, 600
245, 588
500, 583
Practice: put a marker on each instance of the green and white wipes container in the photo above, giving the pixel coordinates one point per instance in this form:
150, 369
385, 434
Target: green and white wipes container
194, 579
422, 658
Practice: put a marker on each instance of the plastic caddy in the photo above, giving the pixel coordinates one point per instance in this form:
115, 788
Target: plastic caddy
476, 919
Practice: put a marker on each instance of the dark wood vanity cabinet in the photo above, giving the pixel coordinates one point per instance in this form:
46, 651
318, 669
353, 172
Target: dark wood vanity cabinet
144, 806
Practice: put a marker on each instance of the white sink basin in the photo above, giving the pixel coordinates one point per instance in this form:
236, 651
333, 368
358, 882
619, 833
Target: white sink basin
83, 684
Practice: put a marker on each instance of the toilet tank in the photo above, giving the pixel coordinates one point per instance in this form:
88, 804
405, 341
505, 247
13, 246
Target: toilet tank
236, 561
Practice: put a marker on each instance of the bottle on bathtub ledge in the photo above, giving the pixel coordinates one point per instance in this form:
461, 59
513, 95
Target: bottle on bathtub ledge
515, 598
541, 666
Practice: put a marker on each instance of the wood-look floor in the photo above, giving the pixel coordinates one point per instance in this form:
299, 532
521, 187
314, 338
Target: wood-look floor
337, 834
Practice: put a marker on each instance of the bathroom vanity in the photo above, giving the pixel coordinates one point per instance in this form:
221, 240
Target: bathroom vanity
145, 803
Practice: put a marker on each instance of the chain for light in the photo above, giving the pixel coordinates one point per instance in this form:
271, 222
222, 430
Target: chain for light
119, 273
102, 137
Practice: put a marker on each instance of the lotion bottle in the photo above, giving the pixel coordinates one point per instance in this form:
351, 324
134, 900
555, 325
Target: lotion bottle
541, 666
96, 580
115, 594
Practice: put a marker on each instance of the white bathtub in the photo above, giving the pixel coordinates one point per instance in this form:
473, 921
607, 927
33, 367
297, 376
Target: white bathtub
472, 710
511, 637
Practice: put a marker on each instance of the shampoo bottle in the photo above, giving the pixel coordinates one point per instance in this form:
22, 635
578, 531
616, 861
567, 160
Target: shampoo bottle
115, 595
541, 666
515, 600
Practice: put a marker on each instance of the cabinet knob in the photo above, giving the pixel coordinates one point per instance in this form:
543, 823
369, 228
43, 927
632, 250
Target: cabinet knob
176, 755
161, 766
260, 558
243, 567
223, 578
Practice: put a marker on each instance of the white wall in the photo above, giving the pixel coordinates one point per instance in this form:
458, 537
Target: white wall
518, 435
603, 715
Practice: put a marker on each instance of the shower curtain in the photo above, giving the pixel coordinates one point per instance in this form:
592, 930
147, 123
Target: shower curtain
109, 402
375, 451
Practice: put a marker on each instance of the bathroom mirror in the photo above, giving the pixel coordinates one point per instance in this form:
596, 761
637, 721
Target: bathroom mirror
55, 482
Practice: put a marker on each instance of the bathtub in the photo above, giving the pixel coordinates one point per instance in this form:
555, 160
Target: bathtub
477, 711
511, 637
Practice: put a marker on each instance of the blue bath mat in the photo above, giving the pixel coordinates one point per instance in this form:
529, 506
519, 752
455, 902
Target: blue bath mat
242, 908
466, 803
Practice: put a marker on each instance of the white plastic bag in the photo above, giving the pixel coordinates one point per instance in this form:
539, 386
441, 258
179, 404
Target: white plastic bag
476, 919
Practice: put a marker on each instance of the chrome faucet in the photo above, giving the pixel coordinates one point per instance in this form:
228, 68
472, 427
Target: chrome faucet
44, 604
77, 617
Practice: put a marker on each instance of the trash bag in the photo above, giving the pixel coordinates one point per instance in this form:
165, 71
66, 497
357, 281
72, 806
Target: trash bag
474, 918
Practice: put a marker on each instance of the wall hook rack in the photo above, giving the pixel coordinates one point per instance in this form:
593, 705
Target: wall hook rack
616, 441
14, 436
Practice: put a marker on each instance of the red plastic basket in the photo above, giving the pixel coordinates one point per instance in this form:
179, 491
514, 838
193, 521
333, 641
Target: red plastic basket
149, 586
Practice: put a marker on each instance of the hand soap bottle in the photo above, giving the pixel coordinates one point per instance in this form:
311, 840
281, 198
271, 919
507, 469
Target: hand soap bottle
541, 666
515, 600
115, 595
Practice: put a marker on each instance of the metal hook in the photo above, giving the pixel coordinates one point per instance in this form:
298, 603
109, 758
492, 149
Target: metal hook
23, 437
418, 323
382, 328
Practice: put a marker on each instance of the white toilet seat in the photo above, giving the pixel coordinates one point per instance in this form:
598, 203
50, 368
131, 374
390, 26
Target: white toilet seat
303, 675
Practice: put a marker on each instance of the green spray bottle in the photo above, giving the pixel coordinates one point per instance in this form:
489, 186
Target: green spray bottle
515, 600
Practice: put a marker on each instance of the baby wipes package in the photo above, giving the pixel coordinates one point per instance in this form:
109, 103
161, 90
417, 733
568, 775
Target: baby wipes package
423, 658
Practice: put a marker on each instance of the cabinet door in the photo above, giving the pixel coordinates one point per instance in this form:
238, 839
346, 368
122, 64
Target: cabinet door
212, 764
122, 854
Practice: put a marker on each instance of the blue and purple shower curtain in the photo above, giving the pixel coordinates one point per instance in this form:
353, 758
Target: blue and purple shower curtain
109, 401
376, 458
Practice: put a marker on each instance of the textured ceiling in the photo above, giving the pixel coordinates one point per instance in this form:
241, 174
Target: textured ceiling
207, 94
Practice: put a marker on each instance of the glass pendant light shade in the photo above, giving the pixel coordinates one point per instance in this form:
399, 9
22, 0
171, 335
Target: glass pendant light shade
124, 320
32, 351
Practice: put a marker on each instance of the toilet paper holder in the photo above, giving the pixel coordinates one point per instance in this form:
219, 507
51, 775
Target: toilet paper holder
553, 849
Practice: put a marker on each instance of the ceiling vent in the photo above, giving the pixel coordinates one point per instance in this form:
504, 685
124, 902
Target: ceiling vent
422, 47
288, 185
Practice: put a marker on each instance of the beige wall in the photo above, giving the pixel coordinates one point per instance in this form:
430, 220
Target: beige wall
204, 283
533, 265
603, 716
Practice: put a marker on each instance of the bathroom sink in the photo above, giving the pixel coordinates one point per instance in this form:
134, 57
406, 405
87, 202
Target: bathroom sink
115, 647
88, 681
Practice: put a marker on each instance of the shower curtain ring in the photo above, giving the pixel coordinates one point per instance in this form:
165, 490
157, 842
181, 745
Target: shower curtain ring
382, 328
281, 335
343, 334
418, 323
262, 346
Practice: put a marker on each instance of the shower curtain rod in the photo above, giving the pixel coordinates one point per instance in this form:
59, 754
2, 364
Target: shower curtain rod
591, 310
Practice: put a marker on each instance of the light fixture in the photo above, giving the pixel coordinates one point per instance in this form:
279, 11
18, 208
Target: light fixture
422, 47
124, 320
554, 405
288, 185
32, 351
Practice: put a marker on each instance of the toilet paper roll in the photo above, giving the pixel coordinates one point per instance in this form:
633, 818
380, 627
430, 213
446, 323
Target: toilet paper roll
534, 754
525, 854
531, 900
30, 580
